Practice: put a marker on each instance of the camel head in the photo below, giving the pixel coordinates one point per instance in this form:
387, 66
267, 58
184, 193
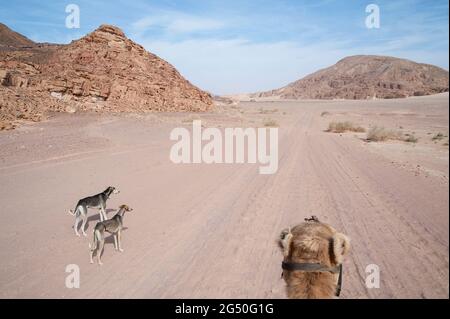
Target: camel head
313, 254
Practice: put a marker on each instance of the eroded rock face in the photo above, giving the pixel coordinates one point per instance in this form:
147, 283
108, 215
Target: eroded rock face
366, 77
106, 66
103, 71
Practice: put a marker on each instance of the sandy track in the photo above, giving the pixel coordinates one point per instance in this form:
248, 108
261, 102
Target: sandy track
210, 231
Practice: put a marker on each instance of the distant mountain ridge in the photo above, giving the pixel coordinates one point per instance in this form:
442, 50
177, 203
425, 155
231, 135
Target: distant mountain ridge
366, 77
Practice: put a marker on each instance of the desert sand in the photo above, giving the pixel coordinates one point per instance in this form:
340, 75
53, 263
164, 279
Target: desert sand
200, 230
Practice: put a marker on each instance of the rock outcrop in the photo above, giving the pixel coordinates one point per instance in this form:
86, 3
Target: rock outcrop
103, 72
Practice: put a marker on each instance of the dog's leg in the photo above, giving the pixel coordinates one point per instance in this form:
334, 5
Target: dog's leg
77, 220
103, 212
84, 224
101, 215
93, 250
119, 236
94, 246
100, 250
92, 255
115, 242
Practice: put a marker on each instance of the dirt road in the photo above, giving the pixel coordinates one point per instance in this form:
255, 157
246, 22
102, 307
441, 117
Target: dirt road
201, 230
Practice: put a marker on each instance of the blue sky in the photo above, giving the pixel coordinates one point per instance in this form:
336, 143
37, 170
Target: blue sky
234, 46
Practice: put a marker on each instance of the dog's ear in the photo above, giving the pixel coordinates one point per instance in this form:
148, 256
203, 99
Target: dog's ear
341, 246
285, 241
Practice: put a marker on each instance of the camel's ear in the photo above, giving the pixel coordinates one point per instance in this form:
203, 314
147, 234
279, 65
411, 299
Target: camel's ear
285, 241
341, 246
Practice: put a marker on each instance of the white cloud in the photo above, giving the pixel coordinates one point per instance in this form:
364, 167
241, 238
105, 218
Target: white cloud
176, 22
193, 24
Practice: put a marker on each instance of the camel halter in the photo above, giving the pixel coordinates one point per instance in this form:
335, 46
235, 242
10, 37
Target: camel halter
311, 267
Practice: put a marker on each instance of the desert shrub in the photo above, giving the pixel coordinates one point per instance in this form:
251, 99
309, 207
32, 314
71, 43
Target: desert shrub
190, 119
270, 123
324, 113
267, 111
379, 134
439, 136
341, 127
411, 139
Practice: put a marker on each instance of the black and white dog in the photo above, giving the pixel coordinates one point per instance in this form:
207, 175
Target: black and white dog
96, 201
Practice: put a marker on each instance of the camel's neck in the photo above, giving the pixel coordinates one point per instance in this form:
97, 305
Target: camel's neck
312, 286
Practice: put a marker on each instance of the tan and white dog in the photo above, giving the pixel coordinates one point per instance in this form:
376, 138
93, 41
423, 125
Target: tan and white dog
113, 226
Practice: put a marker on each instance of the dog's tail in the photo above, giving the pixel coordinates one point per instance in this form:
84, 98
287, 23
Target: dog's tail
93, 245
73, 212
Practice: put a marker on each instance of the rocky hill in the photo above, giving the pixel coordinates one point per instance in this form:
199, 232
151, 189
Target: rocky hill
366, 77
9, 38
103, 71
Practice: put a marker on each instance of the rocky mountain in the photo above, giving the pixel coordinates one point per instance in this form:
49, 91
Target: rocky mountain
9, 38
366, 77
103, 71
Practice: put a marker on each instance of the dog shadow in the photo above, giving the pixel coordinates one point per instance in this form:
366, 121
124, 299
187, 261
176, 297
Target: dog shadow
95, 217
110, 238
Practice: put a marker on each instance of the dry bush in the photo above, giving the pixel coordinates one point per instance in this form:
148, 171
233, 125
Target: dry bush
411, 139
190, 119
341, 127
267, 111
325, 113
439, 136
270, 123
379, 134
